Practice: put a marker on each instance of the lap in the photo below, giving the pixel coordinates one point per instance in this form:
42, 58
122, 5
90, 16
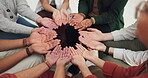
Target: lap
24, 64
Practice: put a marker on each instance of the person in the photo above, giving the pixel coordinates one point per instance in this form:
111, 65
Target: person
58, 56
23, 58
56, 9
14, 26
104, 15
109, 69
133, 58
124, 38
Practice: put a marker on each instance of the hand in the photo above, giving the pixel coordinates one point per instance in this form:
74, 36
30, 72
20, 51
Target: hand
47, 22
53, 56
84, 24
92, 34
50, 34
64, 16
77, 58
37, 29
57, 17
86, 54
40, 48
92, 44
35, 37
53, 43
65, 57
76, 18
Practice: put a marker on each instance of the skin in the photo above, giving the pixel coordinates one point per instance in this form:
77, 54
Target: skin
9, 61
76, 19
64, 59
142, 28
38, 70
59, 16
78, 60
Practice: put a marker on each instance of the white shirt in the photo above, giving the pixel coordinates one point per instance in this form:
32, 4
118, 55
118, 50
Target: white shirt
133, 58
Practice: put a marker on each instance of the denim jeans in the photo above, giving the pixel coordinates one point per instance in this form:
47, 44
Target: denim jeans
21, 20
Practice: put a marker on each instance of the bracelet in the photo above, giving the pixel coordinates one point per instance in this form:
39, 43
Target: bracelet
107, 50
47, 63
28, 52
24, 42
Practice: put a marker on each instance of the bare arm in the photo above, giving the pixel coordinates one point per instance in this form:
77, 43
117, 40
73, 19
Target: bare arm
33, 72
10, 61
85, 71
65, 5
47, 6
60, 72
11, 44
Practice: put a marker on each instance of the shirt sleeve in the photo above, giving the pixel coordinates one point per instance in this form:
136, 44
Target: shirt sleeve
91, 76
112, 13
8, 76
24, 10
112, 70
125, 33
13, 27
133, 58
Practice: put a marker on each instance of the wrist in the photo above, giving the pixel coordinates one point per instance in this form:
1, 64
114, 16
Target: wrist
107, 36
111, 50
28, 52
30, 49
82, 15
82, 66
101, 48
60, 65
48, 64
39, 20
93, 59
25, 42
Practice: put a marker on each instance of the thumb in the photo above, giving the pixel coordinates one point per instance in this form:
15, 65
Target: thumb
72, 14
92, 29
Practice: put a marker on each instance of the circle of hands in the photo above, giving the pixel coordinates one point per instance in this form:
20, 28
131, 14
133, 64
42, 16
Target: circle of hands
42, 40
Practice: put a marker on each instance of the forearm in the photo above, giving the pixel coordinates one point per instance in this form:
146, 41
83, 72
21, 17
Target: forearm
98, 62
133, 58
47, 6
10, 61
85, 71
11, 44
65, 5
59, 73
33, 72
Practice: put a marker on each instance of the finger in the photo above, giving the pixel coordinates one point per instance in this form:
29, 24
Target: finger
48, 53
72, 14
92, 29
81, 47
72, 23
81, 29
73, 51
83, 40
